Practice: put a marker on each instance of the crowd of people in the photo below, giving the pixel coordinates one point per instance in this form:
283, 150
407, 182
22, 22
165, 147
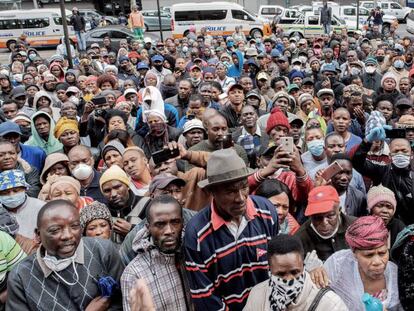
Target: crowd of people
209, 173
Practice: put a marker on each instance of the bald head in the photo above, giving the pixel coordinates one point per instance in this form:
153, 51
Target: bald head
79, 148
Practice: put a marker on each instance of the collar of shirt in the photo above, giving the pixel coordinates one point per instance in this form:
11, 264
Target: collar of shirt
80, 258
217, 221
258, 132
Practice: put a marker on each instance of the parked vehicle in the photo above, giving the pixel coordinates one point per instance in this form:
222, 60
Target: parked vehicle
92, 14
286, 16
410, 23
309, 25
151, 20
269, 11
390, 8
219, 19
43, 27
115, 32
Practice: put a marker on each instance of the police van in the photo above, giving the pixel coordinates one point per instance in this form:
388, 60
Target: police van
219, 19
43, 27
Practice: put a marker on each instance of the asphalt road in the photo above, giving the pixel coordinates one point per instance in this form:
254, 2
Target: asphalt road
4, 54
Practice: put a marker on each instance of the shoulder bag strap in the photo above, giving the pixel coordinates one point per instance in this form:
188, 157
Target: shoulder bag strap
318, 298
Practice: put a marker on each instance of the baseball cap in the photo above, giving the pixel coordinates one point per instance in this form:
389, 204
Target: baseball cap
251, 52
328, 67
321, 199
275, 53
9, 127
130, 91
325, 91
403, 102
296, 61
195, 67
233, 86
295, 119
18, 91
193, 124
267, 150
262, 75
157, 58
253, 93
142, 65
95, 45
308, 80
162, 181
72, 89
283, 59
292, 87
147, 40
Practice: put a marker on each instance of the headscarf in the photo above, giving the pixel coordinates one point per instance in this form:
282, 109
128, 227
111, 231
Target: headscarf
157, 104
69, 180
52, 144
93, 211
65, 124
367, 232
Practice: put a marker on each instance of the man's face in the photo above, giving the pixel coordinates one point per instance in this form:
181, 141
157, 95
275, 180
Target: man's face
166, 167
81, 156
193, 137
196, 108
295, 130
307, 88
60, 231
236, 96
326, 223
341, 121
282, 103
283, 65
279, 86
217, 128
389, 85
10, 110
165, 225
184, 90
277, 132
400, 146
42, 126
354, 102
230, 198
61, 95
247, 84
13, 138
404, 85
4, 83
68, 110
8, 157
248, 117
205, 91
386, 108
326, 101
351, 56
334, 145
195, 73
116, 193
180, 63
341, 180
134, 163
288, 266
344, 46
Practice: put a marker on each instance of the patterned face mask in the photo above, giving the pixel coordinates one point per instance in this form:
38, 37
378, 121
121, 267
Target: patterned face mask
284, 292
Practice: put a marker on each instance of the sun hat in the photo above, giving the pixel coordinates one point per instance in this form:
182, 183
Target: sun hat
224, 166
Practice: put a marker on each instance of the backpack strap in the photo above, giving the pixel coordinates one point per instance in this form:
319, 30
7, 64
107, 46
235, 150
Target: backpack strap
318, 298
133, 216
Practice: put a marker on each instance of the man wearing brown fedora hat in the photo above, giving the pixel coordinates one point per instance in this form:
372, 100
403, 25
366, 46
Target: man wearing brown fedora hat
225, 244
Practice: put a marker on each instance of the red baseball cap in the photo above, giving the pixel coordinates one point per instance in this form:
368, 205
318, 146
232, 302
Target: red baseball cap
321, 199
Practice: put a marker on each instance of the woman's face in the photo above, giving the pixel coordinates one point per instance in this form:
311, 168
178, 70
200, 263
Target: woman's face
281, 202
69, 138
58, 169
43, 102
106, 86
113, 157
116, 123
55, 70
372, 263
99, 228
151, 80
65, 192
385, 210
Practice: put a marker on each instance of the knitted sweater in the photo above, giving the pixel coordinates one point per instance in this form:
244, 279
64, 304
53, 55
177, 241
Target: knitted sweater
32, 286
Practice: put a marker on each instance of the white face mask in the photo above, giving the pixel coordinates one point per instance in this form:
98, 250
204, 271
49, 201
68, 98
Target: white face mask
284, 292
57, 265
370, 69
74, 100
297, 68
18, 77
82, 171
400, 160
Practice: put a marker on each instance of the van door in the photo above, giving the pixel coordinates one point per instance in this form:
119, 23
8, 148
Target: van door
396, 10
312, 26
242, 16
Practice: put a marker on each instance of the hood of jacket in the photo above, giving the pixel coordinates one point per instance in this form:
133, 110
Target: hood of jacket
236, 70
41, 94
52, 144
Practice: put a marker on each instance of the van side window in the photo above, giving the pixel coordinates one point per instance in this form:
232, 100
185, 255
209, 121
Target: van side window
9, 24
313, 20
35, 22
183, 16
350, 11
395, 6
238, 14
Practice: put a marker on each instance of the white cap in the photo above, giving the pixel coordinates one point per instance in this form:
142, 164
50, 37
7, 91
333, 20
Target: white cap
130, 91
147, 40
193, 124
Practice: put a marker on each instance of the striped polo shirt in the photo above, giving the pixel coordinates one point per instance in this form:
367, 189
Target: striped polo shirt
221, 269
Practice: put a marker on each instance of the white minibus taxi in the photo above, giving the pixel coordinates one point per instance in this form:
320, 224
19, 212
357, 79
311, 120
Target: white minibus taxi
43, 27
219, 19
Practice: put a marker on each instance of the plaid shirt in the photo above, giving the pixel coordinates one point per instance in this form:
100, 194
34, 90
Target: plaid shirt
160, 272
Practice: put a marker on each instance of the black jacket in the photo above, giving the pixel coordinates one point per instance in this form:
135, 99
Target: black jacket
355, 203
372, 81
324, 248
397, 180
78, 22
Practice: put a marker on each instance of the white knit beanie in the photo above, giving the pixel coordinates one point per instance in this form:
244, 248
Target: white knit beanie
388, 75
380, 194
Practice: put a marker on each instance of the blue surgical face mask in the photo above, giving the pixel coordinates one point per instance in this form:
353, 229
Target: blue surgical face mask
230, 44
400, 160
14, 200
316, 147
399, 64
